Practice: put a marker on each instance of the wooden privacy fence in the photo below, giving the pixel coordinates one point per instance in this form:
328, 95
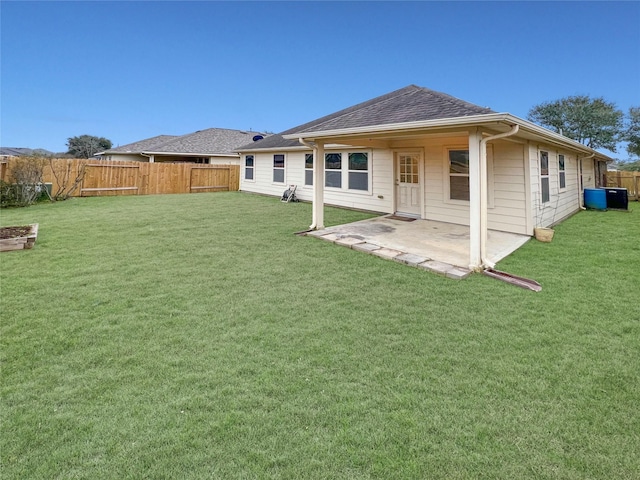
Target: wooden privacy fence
628, 180
137, 178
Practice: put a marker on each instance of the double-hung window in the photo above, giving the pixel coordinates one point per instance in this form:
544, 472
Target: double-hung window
562, 172
278, 168
459, 175
333, 170
248, 167
359, 171
308, 168
544, 176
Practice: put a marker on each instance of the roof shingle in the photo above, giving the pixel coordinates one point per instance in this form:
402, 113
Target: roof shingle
211, 141
409, 104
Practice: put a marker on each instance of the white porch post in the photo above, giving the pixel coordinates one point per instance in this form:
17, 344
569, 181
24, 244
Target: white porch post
475, 210
152, 158
318, 188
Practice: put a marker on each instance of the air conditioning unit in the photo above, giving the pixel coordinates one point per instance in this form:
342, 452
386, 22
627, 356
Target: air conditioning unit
618, 198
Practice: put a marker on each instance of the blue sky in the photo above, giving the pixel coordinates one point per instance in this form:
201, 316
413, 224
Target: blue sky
133, 70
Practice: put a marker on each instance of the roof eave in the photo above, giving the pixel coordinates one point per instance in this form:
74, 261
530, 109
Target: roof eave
467, 121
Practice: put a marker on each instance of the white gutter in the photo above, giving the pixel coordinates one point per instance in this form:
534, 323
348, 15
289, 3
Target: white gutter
484, 193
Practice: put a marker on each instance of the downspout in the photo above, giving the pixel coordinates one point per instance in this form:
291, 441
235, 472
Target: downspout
484, 194
315, 222
150, 157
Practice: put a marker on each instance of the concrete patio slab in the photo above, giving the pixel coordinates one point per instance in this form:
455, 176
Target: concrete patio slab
439, 247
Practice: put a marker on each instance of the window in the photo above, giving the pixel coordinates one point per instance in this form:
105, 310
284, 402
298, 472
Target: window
308, 168
333, 170
359, 171
278, 168
459, 175
248, 167
544, 176
562, 173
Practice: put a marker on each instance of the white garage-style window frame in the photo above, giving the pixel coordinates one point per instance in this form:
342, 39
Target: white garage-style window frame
562, 173
278, 168
249, 168
308, 169
544, 177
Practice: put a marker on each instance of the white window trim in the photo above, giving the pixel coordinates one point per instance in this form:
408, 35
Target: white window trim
273, 169
447, 176
541, 176
244, 168
344, 172
305, 170
446, 185
560, 187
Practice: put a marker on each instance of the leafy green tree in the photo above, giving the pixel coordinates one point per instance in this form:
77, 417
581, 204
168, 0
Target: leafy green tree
594, 122
632, 133
84, 146
629, 166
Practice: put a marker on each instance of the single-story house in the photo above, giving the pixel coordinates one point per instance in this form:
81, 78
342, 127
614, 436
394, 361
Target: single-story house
210, 146
421, 153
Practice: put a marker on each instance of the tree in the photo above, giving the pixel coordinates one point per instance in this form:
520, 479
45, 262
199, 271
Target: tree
632, 132
629, 166
85, 146
594, 122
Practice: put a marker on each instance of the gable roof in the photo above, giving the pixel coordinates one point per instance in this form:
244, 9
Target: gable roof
409, 104
212, 141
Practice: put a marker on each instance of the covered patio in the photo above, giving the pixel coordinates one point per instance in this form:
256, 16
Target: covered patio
439, 247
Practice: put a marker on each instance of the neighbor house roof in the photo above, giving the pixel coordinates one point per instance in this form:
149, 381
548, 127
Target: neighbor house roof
409, 104
212, 141
18, 152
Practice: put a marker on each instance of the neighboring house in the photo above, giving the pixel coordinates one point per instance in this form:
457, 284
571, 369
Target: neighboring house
211, 146
423, 153
24, 152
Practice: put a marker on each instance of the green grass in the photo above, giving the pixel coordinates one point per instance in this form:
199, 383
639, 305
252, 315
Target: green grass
195, 337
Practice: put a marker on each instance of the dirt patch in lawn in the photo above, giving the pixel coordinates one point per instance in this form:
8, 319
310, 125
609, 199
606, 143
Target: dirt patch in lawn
12, 232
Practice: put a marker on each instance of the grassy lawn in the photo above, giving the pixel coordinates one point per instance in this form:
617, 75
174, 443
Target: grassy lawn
194, 337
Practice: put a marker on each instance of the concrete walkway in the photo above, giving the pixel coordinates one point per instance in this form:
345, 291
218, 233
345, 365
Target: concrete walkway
439, 247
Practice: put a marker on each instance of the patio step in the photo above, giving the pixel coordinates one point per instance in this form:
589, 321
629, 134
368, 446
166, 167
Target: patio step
358, 243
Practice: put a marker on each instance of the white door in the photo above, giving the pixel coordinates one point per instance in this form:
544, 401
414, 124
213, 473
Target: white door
408, 184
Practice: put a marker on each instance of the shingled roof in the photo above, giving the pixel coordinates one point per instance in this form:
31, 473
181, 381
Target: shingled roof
212, 141
409, 104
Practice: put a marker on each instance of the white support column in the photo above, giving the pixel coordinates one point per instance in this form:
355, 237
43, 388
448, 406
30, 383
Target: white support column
318, 187
152, 158
475, 210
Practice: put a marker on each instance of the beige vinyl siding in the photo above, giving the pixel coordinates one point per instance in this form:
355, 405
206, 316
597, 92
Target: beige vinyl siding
507, 198
507, 211
562, 203
589, 173
437, 206
380, 169
224, 161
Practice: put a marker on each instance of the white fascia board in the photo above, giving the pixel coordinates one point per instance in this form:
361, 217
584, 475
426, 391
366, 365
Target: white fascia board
474, 120
400, 127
